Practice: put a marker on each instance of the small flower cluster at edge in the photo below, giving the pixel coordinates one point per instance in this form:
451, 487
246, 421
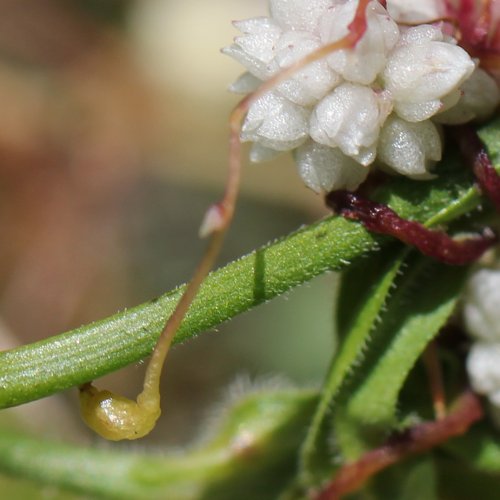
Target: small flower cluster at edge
381, 102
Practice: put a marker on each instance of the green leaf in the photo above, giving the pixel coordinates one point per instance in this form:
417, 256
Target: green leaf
360, 304
425, 296
362, 300
383, 337
490, 135
362, 296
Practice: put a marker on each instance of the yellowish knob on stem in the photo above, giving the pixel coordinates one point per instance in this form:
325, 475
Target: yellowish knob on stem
115, 417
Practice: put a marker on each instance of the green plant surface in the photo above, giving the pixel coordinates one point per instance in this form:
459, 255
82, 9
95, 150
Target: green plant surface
368, 309
387, 315
384, 330
415, 479
248, 453
458, 481
362, 297
479, 448
70, 359
60, 362
366, 409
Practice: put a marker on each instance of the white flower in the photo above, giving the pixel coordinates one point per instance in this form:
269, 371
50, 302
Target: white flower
484, 369
310, 84
301, 15
481, 309
423, 11
322, 168
479, 96
363, 63
372, 104
255, 49
409, 148
422, 70
482, 320
350, 118
276, 123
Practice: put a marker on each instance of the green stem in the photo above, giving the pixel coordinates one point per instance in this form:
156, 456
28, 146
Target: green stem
43, 368
81, 355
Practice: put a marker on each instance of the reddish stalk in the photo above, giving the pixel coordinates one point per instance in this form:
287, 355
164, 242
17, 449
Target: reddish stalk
381, 219
435, 376
418, 439
475, 153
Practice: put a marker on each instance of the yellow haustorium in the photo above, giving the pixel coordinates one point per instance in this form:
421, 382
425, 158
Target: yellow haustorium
115, 417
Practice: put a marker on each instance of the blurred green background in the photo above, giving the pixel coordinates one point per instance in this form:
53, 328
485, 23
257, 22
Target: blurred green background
113, 141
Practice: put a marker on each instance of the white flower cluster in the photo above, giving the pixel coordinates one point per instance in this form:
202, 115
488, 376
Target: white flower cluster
381, 100
482, 320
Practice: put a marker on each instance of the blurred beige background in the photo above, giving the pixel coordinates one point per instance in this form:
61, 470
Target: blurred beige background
113, 141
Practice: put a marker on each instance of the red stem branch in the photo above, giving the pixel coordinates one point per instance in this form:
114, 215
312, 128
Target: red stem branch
475, 153
379, 218
418, 439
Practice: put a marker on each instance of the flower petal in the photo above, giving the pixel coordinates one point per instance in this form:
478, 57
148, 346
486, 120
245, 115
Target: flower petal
324, 169
255, 48
424, 70
479, 99
363, 63
275, 123
482, 297
245, 84
312, 83
349, 118
409, 148
423, 11
417, 111
259, 153
302, 15
483, 367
